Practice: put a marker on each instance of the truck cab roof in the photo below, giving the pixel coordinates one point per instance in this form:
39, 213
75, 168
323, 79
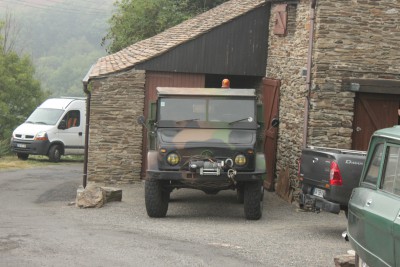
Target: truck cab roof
180, 91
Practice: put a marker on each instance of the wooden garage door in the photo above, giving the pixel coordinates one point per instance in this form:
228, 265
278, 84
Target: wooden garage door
373, 112
165, 79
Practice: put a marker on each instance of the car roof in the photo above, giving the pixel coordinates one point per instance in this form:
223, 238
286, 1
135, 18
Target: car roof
180, 91
393, 132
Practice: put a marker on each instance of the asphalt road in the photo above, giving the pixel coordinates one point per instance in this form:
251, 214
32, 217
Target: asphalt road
39, 228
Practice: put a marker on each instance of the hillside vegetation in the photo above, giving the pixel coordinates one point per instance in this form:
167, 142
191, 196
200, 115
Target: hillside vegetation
63, 38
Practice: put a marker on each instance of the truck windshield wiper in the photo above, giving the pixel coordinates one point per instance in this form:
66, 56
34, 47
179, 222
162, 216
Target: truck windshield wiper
41, 122
250, 119
188, 120
30, 122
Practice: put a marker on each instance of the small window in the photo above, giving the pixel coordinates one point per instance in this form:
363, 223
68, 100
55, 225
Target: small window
391, 177
281, 19
373, 168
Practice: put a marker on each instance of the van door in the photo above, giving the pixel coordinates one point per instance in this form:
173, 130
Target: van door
72, 136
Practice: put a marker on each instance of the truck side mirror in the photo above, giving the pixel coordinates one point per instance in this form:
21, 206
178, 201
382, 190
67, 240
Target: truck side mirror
275, 122
141, 120
62, 125
153, 111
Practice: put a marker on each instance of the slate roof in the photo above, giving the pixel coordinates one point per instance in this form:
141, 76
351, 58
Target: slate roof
173, 37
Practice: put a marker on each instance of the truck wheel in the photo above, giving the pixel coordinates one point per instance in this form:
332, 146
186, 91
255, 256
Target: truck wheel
253, 198
240, 194
55, 153
22, 156
156, 198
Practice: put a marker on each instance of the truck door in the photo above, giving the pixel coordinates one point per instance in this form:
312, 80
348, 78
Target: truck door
72, 136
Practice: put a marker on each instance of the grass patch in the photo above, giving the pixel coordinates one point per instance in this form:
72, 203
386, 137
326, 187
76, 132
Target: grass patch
12, 162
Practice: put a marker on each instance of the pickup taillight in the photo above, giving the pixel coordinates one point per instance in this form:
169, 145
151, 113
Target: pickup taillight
335, 178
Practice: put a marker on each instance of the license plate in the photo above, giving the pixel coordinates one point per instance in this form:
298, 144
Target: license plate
319, 192
21, 145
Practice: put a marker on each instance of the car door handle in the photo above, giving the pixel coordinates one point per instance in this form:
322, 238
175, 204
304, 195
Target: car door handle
369, 202
80, 133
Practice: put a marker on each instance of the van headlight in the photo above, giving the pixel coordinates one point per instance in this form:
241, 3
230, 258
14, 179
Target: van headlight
240, 160
173, 159
41, 136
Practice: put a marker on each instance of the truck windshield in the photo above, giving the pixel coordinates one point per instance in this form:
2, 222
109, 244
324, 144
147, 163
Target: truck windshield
207, 110
46, 116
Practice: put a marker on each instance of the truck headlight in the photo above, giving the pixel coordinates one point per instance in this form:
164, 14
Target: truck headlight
240, 160
41, 136
173, 159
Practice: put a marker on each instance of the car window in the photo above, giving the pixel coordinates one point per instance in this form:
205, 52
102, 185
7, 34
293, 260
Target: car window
72, 119
373, 168
391, 178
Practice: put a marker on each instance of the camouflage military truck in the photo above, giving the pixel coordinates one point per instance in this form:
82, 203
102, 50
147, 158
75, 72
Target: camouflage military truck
206, 139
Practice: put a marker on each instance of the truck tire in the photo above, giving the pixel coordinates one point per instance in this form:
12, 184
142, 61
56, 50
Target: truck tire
156, 198
240, 194
253, 198
22, 156
55, 153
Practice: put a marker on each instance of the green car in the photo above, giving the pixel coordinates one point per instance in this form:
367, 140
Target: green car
374, 207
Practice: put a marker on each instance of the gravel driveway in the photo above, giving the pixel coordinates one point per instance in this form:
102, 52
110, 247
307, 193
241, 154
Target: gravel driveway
39, 228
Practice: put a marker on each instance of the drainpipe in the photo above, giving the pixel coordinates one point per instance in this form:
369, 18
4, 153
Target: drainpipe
86, 156
308, 79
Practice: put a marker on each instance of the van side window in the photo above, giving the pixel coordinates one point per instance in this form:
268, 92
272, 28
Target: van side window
72, 119
391, 177
373, 168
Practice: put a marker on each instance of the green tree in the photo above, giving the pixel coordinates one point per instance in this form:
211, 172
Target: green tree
135, 20
20, 92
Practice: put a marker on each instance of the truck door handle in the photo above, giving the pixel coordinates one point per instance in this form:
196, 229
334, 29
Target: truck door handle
369, 202
80, 133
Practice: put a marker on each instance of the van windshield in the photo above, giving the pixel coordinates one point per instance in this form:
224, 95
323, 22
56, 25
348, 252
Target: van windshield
46, 116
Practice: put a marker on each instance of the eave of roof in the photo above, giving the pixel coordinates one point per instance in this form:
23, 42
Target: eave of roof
161, 43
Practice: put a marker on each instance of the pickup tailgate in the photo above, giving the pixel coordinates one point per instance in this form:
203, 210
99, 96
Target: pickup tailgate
315, 173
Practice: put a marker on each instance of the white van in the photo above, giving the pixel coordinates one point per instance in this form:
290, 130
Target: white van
55, 128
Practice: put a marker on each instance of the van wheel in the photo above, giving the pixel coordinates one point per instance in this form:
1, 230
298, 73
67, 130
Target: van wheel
22, 156
55, 153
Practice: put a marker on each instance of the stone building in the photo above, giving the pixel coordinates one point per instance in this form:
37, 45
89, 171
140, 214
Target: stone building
334, 65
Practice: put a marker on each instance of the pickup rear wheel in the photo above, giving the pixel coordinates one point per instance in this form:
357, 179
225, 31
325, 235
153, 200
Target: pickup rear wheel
253, 199
22, 156
156, 198
55, 153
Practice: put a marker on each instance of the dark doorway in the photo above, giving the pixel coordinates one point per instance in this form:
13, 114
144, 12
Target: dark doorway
237, 81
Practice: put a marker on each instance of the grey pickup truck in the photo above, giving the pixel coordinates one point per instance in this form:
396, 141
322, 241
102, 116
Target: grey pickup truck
328, 176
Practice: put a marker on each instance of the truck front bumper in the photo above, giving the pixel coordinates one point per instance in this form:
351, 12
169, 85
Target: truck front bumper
317, 203
193, 176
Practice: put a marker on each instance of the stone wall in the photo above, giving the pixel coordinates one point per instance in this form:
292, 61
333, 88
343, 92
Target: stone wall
115, 138
353, 39
287, 57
